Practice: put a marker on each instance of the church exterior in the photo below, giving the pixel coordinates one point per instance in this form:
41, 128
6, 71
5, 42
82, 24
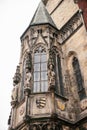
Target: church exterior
50, 83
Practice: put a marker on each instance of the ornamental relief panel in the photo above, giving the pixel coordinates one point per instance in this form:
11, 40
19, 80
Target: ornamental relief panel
20, 113
40, 104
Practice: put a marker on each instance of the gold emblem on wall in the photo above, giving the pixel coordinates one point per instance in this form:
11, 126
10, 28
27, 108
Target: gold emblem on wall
61, 105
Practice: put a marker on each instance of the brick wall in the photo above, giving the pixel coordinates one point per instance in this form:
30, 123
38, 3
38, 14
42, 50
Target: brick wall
83, 5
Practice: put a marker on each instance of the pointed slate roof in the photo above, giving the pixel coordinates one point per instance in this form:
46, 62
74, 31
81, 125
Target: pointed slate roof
42, 16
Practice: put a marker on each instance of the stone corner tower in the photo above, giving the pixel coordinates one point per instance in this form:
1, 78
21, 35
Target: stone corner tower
50, 83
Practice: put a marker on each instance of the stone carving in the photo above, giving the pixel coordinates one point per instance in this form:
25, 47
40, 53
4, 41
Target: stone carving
83, 104
70, 108
16, 78
28, 75
21, 111
28, 78
14, 95
41, 102
69, 28
51, 76
51, 73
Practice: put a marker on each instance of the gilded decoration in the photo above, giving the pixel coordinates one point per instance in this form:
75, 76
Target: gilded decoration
61, 105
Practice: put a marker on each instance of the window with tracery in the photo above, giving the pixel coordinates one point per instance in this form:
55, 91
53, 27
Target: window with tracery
79, 79
59, 77
40, 70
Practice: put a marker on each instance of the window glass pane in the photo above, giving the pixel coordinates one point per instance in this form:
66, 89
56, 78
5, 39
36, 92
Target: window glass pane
40, 70
43, 58
37, 67
37, 76
36, 86
60, 76
43, 75
43, 66
44, 86
36, 58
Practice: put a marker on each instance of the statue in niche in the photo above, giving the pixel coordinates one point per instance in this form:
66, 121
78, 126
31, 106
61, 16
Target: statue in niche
51, 76
51, 73
14, 95
28, 78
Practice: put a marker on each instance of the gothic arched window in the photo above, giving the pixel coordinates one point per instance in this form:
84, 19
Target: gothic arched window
59, 77
79, 79
40, 70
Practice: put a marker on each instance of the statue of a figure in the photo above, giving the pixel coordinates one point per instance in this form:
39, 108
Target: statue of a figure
51, 76
28, 78
14, 95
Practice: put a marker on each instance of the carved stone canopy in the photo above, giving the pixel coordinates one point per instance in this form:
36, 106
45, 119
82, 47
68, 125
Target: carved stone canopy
16, 78
50, 60
29, 62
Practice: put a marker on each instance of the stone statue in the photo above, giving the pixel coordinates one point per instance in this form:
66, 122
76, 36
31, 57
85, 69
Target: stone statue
51, 76
14, 95
28, 78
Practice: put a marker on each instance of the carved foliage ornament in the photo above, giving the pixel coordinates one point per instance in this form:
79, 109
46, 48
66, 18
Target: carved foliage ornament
16, 77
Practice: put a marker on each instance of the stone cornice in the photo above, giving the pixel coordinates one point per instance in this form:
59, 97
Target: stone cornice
70, 28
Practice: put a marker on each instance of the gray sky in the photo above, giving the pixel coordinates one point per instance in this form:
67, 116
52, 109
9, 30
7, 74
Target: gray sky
15, 16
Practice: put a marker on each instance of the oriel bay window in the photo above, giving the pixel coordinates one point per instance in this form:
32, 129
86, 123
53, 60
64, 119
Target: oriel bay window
40, 70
